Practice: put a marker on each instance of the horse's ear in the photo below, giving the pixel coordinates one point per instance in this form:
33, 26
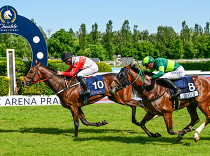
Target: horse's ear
128, 66
38, 64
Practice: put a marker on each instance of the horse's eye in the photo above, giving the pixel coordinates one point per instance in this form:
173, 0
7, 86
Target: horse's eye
31, 72
121, 75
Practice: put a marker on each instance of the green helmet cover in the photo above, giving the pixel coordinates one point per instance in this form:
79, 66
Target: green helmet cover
147, 60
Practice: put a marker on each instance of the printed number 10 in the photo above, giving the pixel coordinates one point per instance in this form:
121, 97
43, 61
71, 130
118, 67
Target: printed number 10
99, 84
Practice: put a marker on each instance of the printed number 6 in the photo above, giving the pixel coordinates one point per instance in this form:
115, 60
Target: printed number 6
99, 84
191, 86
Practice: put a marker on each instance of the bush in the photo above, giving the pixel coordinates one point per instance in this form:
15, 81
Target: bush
58, 65
36, 89
4, 83
204, 66
103, 67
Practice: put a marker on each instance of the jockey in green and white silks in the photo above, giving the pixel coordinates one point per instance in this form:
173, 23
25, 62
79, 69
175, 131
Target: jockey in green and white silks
168, 70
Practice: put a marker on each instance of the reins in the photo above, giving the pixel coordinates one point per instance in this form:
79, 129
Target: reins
58, 92
142, 75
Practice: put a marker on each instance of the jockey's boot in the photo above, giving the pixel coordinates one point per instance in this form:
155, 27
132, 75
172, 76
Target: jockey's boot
86, 90
171, 85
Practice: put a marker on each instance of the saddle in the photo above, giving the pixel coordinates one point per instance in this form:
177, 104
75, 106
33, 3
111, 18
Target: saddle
189, 90
96, 85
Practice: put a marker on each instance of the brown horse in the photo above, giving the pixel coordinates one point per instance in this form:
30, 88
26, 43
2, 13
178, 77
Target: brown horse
157, 100
70, 96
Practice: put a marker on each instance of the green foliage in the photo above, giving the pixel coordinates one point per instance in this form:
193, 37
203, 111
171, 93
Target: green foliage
21, 67
60, 42
3, 68
97, 51
103, 67
203, 66
4, 83
190, 43
58, 65
36, 89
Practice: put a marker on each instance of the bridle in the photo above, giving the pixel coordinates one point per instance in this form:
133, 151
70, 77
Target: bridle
120, 85
58, 91
36, 72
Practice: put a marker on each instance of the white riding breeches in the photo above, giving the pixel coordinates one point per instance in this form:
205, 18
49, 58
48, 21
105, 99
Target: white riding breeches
88, 71
174, 75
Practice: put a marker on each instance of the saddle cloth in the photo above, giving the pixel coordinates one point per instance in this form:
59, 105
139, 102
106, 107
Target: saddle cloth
96, 85
187, 85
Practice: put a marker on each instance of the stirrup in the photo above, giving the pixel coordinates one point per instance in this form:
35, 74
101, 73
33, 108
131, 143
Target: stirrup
87, 92
179, 91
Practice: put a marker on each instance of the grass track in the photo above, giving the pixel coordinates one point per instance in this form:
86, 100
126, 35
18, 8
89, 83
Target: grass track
49, 130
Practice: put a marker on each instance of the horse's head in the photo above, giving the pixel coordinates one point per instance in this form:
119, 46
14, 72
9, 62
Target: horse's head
7, 14
32, 76
121, 81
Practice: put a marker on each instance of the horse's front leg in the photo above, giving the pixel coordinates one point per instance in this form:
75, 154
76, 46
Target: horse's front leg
134, 116
74, 111
85, 122
169, 124
146, 118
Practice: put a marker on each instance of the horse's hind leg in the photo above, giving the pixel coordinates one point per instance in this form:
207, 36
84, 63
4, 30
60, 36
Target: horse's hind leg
205, 109
85, 122
194, 120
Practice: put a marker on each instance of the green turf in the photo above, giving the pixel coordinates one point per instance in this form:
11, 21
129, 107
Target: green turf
49, 130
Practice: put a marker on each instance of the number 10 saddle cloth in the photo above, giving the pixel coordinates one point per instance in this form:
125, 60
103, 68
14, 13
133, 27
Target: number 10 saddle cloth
96, 85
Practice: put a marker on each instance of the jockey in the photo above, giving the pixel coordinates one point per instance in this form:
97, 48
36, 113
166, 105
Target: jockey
80, 66
168, 70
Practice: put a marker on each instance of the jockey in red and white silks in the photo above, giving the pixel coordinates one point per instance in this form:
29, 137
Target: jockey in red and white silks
81, 66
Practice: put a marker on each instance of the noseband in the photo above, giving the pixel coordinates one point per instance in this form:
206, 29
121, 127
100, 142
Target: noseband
120, 83
31, 78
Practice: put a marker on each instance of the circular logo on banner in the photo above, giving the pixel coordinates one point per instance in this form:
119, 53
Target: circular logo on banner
8, 14
11, 22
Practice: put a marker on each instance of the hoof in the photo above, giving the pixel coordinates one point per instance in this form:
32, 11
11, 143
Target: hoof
191, 128
179, 139
196, 139
104, 122
156, 135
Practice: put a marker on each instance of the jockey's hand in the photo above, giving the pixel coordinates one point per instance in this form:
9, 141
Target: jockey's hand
147, 77
59, 73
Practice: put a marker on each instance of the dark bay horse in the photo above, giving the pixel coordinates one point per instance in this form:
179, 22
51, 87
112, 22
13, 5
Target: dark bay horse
157, 100
71, 98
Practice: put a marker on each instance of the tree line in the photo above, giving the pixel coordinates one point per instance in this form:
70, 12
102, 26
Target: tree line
187, 44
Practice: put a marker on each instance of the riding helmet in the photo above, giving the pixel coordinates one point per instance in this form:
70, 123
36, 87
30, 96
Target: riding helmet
66, 56
147, 60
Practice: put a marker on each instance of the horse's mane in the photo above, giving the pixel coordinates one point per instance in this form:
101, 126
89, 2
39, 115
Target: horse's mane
53, 70
137, 70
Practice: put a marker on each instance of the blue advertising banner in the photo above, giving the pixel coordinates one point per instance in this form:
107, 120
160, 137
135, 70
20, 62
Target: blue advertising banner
11, 22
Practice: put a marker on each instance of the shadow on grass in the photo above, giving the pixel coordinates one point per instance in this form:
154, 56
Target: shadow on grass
123, 139
61, 131
140, 140
4, 130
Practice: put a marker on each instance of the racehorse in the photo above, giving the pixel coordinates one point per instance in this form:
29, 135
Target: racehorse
70, 96
157, 100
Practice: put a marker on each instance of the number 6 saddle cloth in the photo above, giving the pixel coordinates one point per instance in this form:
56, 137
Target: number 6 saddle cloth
96, 85
187, 85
